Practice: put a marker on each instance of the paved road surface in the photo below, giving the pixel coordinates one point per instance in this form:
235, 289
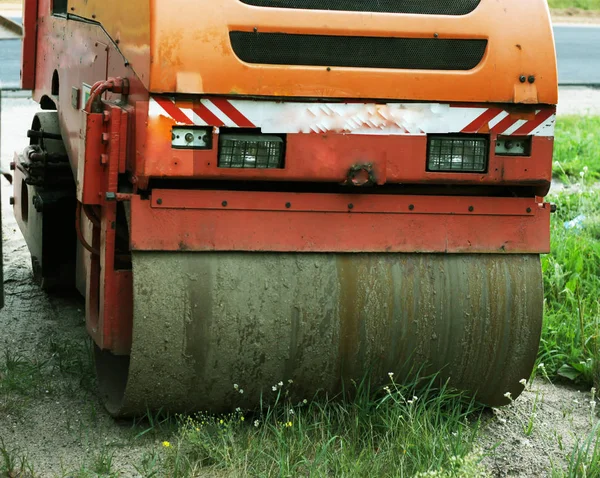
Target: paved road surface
10, 60
578, 49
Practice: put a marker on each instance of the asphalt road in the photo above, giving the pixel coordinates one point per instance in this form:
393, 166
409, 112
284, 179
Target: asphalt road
578, 50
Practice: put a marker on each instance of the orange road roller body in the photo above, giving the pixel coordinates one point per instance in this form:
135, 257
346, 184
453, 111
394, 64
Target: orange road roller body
307, 190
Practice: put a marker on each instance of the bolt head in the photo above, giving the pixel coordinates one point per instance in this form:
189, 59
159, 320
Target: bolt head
522, 79
531, 79
189, 137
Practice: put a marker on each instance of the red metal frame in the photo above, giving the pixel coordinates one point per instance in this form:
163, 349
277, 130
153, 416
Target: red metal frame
175, 220
328, 157
28, 58
109, 291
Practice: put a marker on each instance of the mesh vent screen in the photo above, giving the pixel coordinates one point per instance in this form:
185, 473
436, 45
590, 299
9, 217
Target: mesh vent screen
361, 52
425, 7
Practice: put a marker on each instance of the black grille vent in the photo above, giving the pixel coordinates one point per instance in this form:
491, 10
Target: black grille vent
423, 7
360, 52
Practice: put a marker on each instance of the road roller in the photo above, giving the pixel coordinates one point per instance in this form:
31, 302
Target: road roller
321, 191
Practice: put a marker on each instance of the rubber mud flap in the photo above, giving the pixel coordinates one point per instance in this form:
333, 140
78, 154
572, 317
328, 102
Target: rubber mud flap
206, 321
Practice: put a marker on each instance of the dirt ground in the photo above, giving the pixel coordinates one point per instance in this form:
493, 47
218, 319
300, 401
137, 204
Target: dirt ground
62, 429
575, 15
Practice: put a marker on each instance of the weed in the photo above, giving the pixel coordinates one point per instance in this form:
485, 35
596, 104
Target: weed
154, 424
571, 335
150, 466
577, 146
404, 430
73, 359
12, 464
528, 427
584, 461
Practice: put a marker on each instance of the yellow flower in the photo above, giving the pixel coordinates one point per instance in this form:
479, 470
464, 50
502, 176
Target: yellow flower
242, 419
288, 424
221, 422
166, 444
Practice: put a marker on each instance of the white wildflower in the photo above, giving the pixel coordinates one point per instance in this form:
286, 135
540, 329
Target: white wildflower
305, 401
280, 384
508, 395
291, 411
541, 365
523, 382
585, 169
256, 423
391, 375
290, 381
241, 391
236, 386
238, 409
274, 388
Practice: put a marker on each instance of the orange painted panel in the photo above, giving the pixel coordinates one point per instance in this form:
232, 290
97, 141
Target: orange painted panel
187, 48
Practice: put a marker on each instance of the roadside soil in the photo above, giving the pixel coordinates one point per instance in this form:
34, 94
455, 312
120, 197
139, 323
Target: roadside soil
59, 427
575, 15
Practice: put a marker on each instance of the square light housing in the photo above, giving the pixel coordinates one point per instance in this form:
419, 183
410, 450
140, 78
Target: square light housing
251, 151
457, 154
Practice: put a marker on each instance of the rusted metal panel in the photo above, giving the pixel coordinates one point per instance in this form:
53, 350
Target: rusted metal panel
244, 221
329, 157
30, 40
204, 322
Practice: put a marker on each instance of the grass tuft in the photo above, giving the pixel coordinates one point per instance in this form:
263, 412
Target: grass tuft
577, 148
571, 336
405, 430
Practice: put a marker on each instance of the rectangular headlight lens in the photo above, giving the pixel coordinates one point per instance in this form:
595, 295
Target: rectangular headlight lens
457, 154
251, 151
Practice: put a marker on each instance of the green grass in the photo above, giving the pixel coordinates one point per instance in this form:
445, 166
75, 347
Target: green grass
389, 434
583, 4
571, 336
577, 147
65, 366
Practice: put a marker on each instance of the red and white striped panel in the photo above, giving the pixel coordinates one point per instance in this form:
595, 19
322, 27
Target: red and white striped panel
351, 118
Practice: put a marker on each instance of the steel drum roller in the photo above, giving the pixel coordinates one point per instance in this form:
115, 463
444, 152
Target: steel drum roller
206, 321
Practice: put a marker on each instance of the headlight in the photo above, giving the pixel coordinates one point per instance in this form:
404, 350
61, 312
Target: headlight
251, 151
457, 154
